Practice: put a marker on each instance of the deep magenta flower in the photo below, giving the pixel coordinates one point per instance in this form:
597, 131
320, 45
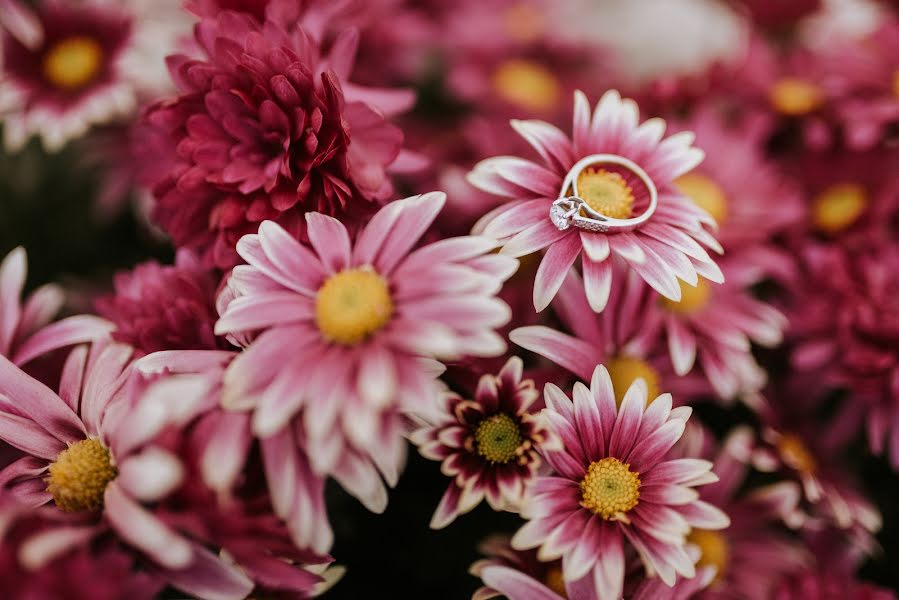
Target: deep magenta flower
846, 326
488, 445
612, 483
164, 307
668, 247
266, 127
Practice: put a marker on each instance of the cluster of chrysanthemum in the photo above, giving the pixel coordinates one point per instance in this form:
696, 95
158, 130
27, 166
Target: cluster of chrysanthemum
313, 326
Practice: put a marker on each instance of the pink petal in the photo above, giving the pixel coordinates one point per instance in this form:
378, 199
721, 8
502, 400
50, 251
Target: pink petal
515, 584
628, 421
415, 216
331, 241
209, 577
570, 353
28, 436
681, 346
550, 143
553, 269
251, 313
67, 332
143, 530
282, 258
589, 423
536, 237
597, 283
37, 401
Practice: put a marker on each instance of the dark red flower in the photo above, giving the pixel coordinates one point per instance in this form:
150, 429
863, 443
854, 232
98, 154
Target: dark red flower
265, 127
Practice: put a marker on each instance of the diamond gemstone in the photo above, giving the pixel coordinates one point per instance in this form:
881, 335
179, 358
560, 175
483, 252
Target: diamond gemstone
558, 217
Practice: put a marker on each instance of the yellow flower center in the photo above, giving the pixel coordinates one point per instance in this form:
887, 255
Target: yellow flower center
624, 370
795, 454
523, 23
705, 193
793, 96
527, 84
73, 62
555, 581
715, 551
498, 438
79, 476
693, 298
610, 489
352, 305
839, 206
606, 192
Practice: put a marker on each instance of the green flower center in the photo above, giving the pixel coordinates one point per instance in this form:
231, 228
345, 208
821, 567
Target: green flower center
498, 438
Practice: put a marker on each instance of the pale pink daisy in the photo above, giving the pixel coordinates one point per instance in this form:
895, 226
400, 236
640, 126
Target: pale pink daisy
363, 322
488, 445
612, 483
633, 163
85, 450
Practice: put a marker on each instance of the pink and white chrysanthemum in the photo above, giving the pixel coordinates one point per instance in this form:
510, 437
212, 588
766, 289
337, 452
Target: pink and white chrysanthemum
364, 322
489, 445
612, 483
750, 199
668, 247
623, 338
81, 64
754, 551
26, 331
85, 450
521, 575
715, 327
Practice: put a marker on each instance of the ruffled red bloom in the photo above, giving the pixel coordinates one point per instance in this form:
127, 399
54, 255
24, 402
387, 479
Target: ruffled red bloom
164, 307
265, 127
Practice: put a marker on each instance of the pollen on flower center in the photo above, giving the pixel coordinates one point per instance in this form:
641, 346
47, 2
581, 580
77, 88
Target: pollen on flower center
693, 298
714, 549
610, 489
498, 438
606, 192
793, 96
351, 305
705, 193
73, 62
624, 370
795, 454
839, 206
526, 84
79, 476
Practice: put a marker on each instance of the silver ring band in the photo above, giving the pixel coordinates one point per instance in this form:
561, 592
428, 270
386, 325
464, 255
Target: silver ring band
570, 210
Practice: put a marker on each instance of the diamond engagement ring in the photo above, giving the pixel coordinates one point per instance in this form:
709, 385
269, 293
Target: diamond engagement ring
572, 209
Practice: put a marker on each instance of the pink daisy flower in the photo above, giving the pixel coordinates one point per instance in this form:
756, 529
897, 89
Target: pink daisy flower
798, 443
633, 166
364, 320
86, 451
626, 344
68, 66
489, 445
520, 575
750, 199
612, 483
716, 325
266, 126
164, 307
754, 551
26, 331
